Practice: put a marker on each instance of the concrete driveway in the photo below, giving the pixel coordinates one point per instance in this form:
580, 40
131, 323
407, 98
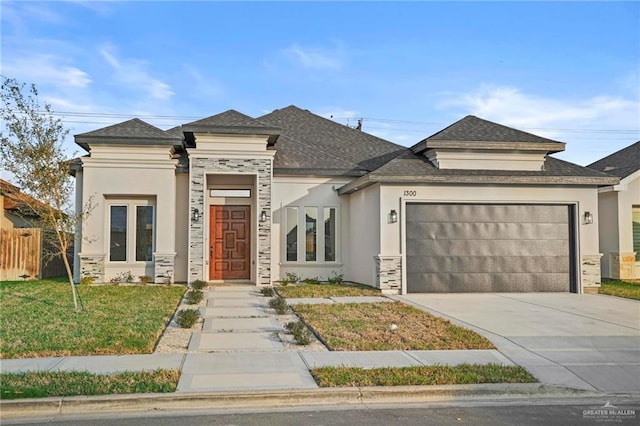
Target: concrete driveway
579, 341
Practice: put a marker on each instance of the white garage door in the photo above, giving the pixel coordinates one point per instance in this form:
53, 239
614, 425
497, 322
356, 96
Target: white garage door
489, 248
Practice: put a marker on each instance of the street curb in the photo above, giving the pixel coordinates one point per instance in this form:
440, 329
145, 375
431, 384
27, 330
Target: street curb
101, 404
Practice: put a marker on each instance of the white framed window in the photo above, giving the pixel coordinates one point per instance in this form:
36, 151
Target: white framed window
311, 234
131, 230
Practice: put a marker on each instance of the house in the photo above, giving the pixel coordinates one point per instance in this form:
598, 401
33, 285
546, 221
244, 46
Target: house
25, 250
476, 207
619, 211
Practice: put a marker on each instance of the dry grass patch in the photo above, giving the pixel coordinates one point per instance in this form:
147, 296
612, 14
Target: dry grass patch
326, 290
366, 327
621, 289
423, 375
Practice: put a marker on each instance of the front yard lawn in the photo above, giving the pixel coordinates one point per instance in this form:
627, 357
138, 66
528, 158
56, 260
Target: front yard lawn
326, 290
424, 375
620, 289
366, 327
42, 384
37, 318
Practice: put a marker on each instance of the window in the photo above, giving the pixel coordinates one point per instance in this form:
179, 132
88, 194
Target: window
330, 234
125, 246
311, 220
291, 237
316, 229
636, 231
118, 234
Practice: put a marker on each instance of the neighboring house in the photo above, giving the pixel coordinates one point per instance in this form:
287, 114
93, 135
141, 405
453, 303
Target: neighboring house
24, 248
476, 207
619, 211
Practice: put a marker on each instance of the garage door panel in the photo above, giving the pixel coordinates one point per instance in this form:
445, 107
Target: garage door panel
536, 264
477, 213
485, 230
493, 247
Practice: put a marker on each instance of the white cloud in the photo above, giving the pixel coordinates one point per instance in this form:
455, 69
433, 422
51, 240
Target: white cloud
45, 69
201, 86
319, 58
132, 73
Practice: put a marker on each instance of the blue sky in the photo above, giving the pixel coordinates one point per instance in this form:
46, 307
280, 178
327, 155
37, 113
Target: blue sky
568, 71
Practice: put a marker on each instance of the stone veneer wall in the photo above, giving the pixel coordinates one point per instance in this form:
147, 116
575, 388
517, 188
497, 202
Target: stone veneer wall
590, 268
92, 265
199, 167
622, 265
389, 274
163, 268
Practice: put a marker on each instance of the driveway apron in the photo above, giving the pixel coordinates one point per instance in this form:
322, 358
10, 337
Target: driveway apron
580, 341
238, 348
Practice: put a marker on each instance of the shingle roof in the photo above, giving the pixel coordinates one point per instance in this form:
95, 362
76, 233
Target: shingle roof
125, 132
415, 168
472, 131
621, 163
230, 118
311, 144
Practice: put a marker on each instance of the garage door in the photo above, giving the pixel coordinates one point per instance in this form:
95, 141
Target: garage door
488, 248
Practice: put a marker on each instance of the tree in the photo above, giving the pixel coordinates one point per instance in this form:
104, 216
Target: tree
32, 151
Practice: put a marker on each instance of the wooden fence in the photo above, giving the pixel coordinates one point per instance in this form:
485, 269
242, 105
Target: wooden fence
21, 253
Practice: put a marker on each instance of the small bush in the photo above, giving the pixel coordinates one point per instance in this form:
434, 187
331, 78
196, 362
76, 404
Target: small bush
187, 317
167, 280
292, 277
199, 285
194, 297
87, 280
267, 291
313, 280
279, 305
337, 279
145, 279
301, 333
122, 277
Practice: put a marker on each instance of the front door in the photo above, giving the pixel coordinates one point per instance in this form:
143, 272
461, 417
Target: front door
229, 242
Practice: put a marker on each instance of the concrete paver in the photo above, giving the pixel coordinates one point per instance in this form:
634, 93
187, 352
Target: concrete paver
235, 302
309, 301
362, 359
234, 312
241, 324
457, 357
213, 341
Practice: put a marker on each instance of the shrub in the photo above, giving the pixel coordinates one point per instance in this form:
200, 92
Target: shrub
336, 279
311, 280
187, 317
279, 305
292, 277
267, 291
122, 277
87, 280
145, 279
301, 333
194, 297
199, 285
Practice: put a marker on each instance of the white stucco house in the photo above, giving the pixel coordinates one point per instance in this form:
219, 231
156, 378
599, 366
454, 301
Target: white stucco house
619, 211
476, 207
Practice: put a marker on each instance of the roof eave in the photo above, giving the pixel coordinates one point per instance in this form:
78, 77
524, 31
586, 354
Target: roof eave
86, 141
549, 147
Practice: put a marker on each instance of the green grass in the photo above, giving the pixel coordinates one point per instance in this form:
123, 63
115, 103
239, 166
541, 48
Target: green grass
620, 289
43, 384
424, 375
326, 290
37, 318
366, 327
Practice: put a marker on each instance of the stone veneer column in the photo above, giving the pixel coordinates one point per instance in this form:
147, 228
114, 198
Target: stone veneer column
92, 265
623, 265
389, 274
163, 268
590, 268
260, 167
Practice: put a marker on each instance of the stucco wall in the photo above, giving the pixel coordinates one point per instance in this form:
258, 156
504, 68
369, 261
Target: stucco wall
365, 224
182, 227
309, 192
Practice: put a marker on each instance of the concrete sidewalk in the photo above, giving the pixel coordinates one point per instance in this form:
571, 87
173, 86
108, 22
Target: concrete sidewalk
238, 350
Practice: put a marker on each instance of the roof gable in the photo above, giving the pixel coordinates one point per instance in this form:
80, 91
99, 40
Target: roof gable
134, 132
621, 163
477, 133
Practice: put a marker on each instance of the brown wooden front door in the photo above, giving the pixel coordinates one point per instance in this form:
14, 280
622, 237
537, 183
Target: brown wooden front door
229, 242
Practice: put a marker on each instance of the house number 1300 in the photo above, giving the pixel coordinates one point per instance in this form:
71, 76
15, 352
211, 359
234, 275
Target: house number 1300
408, 193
